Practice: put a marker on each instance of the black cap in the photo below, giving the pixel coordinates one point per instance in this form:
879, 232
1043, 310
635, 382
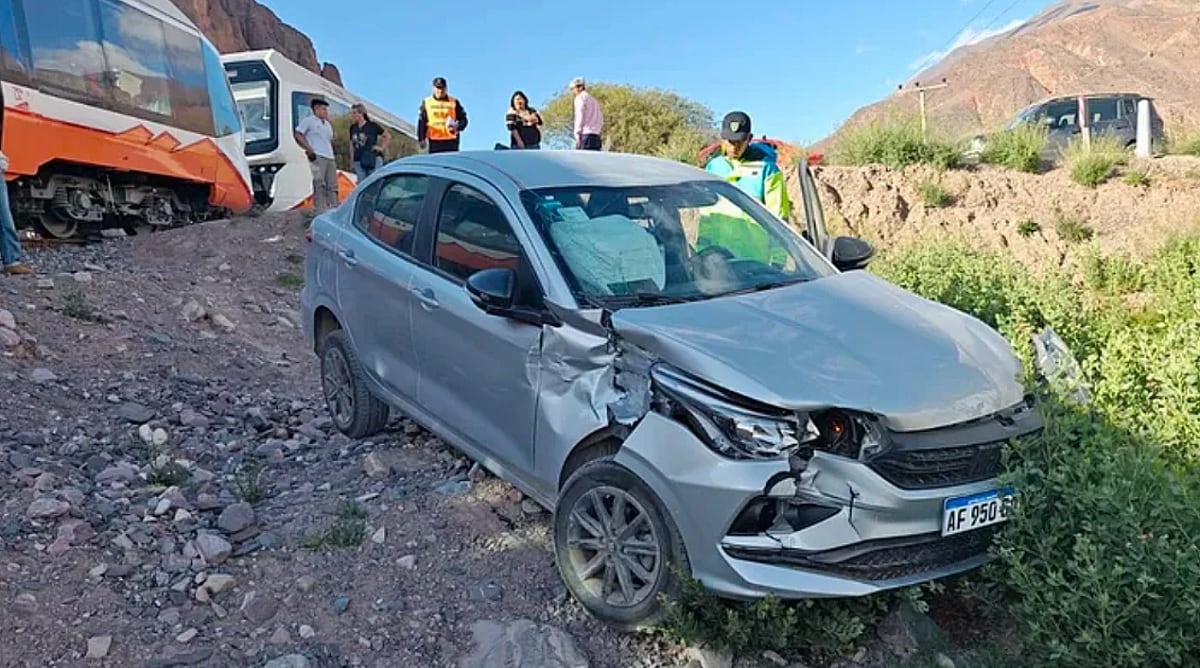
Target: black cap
735, 126
439, 82
318, 102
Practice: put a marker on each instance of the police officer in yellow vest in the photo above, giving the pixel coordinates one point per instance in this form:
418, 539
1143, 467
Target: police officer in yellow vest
440, 120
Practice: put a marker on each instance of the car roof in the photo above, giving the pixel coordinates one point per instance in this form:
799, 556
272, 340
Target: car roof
552, 169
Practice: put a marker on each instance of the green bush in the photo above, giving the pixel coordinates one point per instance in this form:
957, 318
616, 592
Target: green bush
1184, 142
1137, 178
893, 144
1028, 227
1072, 229
1101, 561
1092, 165
933, 194
1019, 148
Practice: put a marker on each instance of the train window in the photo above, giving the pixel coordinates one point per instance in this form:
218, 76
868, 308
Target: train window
13, 57
254, 91
65, 45
393, 221
225, 111
136, 50
189, 84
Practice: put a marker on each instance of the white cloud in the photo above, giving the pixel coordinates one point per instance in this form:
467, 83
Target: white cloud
967, 37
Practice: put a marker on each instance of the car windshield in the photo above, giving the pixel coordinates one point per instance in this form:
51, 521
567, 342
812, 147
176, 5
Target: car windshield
660, 244
1026, 115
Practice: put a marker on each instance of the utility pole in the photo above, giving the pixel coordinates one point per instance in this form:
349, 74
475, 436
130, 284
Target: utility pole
921, 90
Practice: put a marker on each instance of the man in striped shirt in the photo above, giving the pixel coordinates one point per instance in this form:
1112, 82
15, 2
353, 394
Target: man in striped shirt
589, 119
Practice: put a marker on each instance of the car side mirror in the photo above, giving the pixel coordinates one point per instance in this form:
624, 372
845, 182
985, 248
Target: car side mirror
850, 253
492, 289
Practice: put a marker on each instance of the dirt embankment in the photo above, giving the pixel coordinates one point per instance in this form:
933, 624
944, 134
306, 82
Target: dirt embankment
1041, 219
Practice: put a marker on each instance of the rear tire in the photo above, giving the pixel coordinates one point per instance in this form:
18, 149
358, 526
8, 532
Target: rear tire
616, 547
355, 411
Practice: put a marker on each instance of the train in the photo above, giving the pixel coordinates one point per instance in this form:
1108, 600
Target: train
118, 114
274, 94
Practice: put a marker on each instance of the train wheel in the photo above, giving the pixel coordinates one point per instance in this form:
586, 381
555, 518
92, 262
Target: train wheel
52, 226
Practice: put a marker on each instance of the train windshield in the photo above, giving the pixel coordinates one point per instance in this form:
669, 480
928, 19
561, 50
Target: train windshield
254, 101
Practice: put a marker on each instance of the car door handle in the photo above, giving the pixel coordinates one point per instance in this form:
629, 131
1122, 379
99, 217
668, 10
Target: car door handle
427, 298
347, 256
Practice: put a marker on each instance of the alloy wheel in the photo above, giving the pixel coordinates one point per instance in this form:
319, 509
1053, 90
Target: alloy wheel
339, 391
613, 546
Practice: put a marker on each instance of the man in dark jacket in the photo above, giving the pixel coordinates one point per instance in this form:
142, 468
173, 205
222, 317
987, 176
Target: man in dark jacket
10, 244
440, 120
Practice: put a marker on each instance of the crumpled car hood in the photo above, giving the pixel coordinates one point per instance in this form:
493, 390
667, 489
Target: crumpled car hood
850, 340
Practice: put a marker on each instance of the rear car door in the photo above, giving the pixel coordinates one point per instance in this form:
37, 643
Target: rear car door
478, 371
375, 270
1104, 117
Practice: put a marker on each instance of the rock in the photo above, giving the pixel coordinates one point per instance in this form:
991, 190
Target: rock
9, 338
341, 604
236, 517
407, 562
306, 583
307, 632
488, 591
452, 487
212, 548
193, 311
708, 658
75, 532
904, 630
98, 646
258, 608
522, 644
7, 320
289, 661
45, 284
218, 582
42, 375
223, 323
774, 658
25, 603
943, 661
135, 413
187, 635
159, 437
377, 466
46, 508
120, 473
82, 277
195, 657
531, 507
146, 433
380, 536
193, 420
280, 637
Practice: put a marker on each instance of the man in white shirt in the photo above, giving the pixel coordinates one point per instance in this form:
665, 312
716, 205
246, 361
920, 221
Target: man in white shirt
315, 136
589, 119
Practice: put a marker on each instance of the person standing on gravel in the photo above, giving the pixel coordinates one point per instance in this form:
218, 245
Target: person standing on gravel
368, 141
10, 243
315, 136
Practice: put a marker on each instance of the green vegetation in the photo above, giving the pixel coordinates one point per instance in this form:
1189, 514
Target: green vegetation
288, 280
933, 194
1019, 148
1137, 178
1071, 229
248, 481
76, 305
893, 144
348, 529
684, 146
1120, 588
636, 120
1028, 227
169, 475
1184, 142
1092, 165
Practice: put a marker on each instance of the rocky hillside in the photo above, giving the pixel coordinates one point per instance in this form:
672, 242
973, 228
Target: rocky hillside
241, 25
1145, 46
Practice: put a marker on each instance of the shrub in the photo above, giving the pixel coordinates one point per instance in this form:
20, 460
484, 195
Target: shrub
1019, 148
1137, 178
1092, 165
1072, 229
1184, 142
895, 144
933, 194
1101, 562
1028, 227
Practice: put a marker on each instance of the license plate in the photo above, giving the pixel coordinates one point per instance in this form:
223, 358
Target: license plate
966, 513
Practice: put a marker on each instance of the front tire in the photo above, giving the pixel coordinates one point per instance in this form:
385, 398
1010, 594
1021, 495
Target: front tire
616, 548
355, 411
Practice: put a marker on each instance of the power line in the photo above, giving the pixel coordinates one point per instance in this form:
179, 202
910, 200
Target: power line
1007, 9
958, 32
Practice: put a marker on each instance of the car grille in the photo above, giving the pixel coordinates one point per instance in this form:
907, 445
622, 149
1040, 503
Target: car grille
881, 560
939, 467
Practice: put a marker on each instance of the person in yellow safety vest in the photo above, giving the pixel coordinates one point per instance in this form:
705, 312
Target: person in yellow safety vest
752, 167
440, 120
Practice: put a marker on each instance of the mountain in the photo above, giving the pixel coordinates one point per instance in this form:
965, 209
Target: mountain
243, 25
1150, 47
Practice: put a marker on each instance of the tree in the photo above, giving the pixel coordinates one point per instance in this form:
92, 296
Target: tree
650, 121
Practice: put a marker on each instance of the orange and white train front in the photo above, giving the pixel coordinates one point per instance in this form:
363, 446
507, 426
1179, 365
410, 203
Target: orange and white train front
118, 114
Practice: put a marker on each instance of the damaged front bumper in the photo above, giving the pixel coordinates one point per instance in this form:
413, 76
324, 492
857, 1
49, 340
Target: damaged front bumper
833, 527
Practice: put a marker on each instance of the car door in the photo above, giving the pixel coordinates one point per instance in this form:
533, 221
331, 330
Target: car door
814, 214
376, 267
478, 371
1061, 118
1104, 118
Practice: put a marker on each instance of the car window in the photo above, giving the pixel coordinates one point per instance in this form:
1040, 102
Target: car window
1062, 114
388, 210
1128, 108
473, 234
1102, 110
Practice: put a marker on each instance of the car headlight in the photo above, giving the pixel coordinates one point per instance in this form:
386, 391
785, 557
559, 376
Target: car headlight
744, 429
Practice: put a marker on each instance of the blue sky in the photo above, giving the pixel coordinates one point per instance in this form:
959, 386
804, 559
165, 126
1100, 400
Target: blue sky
798, 67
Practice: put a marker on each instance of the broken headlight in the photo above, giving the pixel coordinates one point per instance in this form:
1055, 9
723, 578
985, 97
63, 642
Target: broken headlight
733, 426
845, 433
